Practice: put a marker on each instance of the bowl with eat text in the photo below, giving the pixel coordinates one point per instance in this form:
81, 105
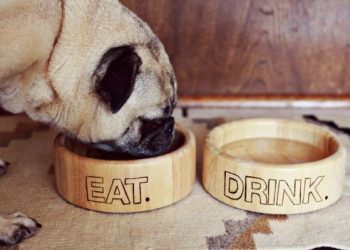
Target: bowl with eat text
103, 181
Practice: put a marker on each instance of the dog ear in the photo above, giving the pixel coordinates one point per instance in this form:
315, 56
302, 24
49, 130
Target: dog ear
115, 76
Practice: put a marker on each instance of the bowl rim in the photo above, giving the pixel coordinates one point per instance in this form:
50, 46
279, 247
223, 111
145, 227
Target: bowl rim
188, 134
341, 150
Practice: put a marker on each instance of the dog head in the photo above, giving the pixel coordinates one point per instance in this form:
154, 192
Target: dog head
111, 79
141, 95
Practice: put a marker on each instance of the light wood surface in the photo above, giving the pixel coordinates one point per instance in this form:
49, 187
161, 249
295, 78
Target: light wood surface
274, 166
125, 185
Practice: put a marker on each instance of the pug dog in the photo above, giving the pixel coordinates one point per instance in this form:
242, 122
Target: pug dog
90, 68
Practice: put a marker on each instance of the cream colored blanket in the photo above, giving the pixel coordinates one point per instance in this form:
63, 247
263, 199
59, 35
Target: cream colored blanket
197, 222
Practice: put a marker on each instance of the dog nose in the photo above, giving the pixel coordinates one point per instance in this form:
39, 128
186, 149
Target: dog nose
168, 111
169, 124
157, 126
169, 120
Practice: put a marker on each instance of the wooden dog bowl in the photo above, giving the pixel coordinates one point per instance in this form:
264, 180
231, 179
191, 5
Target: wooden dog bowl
274, 166
122, 186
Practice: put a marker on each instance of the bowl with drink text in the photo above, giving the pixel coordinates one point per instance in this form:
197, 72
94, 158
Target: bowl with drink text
274, 166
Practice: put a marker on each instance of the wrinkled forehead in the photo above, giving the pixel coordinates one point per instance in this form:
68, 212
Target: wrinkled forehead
156, 50
157, 88
156, 70
156, 64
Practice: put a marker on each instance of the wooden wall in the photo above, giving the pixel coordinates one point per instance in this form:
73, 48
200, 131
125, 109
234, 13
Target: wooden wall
254, 47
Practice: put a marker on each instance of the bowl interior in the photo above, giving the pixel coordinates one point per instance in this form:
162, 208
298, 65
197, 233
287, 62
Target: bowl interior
273, 142
90, 151
275, 151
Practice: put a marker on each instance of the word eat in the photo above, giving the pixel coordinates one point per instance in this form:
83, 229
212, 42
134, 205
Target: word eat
127, 191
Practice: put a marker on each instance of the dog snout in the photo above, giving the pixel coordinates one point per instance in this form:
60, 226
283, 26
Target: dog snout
169, 125
168, 111
155, 138
164, 125
156, 125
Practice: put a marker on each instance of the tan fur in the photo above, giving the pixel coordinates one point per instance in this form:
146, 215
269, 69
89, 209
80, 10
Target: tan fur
49, 51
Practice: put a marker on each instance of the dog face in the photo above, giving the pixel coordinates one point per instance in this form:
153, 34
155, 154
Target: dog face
143, 95
112, 81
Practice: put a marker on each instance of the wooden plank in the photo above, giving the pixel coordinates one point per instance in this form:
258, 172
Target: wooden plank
254, 47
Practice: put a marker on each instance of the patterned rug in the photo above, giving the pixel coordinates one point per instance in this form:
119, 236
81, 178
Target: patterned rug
197, 222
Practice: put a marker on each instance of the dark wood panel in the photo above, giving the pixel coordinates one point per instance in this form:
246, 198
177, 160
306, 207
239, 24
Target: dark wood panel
254, 47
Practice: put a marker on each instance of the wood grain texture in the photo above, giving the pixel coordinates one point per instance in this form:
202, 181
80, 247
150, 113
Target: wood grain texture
274, 166
254, 47
124, 186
